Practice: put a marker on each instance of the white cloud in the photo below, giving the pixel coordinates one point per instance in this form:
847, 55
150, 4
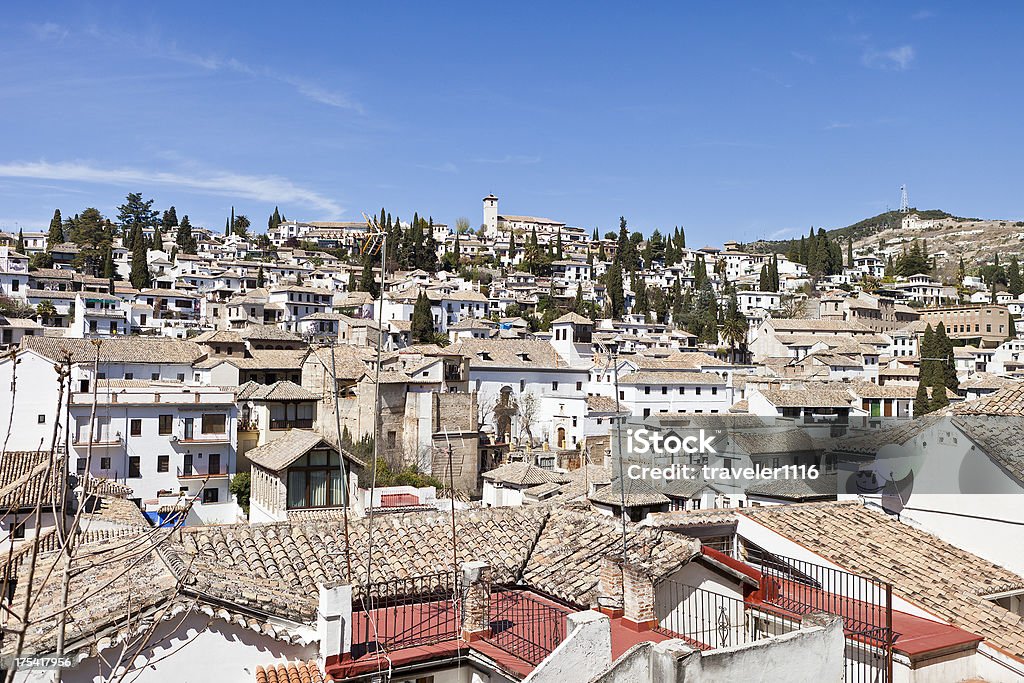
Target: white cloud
446, 167
836, 125
893, 59
270, 189
511, 159
803, 57
48, 31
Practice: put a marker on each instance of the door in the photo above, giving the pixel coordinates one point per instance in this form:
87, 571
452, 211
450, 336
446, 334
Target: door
561, 437
189, 427
186, 467
214, 463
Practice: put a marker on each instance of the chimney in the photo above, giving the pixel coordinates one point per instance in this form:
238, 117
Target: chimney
476, 600
609, 586
637, 599
334, 623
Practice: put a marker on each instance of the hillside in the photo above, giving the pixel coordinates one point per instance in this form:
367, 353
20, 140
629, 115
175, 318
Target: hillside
948, 236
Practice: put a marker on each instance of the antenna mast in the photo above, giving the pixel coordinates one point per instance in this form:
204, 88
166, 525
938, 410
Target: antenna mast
904, 203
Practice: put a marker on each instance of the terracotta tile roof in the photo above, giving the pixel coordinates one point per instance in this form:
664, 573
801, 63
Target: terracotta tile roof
685, 518
759, 443
278, 566
525, 474
984, 380
797, 489
998, 437
267, 359
574, 318
812, 397
933, 574
566, 560
510, 353
118, 349
22, 478
292, 672
1008, 401
288, 447
282, 390
651, 377
639, 493
267, 333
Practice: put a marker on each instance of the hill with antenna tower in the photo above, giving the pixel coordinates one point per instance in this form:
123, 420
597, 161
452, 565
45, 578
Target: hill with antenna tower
948, 236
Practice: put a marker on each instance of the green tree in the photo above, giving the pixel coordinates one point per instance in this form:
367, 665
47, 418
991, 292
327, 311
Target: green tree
1014, 283
241, 488
240, 225
735, 327
136, 212
45, 310
422, 320
158, 239
939, 397
185, 240
922, 404
56, 234
20, 244
140, 276
367, 282
169, 221
109, 269
615, 290
274, 220
261, 279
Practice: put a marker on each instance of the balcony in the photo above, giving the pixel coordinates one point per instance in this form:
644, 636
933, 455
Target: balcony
301, 423
248, 426
195, 473
99, 441
201, 439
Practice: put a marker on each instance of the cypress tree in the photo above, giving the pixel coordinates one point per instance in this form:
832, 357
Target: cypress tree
56, 234
939, 398
185, 240
158, 240
20, 245
139, 276
849, 253
109, 269
170, 220
422, 320
261, 279
922, 404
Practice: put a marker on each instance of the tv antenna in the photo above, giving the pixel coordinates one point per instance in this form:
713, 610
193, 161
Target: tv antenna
904, 203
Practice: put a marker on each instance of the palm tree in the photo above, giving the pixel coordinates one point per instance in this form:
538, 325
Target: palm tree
735, 328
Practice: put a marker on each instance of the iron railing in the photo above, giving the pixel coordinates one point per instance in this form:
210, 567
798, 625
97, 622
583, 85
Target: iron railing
525, 625
709, 620
864, 604
401, 613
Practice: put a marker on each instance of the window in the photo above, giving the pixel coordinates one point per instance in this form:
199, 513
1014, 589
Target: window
155, 376
166, 424
664, 390
647, 390
136, 427
554, 386
134, 467
647, 412
163, 463
682, 390
40, 419
83, 385
181, 376
214, 423
714, 391
210, 495
698, 391
392, 439
579, 386
314, 480
14, 285
18, 530
522, 385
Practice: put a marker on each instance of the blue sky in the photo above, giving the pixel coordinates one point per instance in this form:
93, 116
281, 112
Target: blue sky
735, 120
